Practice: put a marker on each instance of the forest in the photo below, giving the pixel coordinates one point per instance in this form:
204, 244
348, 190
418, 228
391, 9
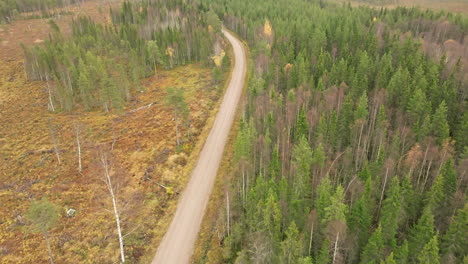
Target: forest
10, 9
352, 144
100, 65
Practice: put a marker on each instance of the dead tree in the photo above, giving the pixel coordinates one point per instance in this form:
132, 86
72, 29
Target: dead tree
54, 140
108, 180
78, 147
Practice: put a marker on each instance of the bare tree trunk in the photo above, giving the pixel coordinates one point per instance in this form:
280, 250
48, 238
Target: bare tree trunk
49, 250
177, 129
336, 247
78, 146
54, 141
228, 215
243, 185
51, 102
108, 182
310, 240
357, 148
427, 175
422, 166
382, 194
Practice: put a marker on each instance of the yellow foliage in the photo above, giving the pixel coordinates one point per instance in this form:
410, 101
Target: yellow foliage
217, 59
287, 67
374, 19
267, 30
170, 51
169, 190
210, 28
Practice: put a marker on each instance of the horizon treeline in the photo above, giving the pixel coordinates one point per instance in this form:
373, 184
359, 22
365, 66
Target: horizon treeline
352, 146
99, 65
9, 9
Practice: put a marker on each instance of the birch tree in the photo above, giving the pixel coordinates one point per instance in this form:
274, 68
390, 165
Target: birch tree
107, 177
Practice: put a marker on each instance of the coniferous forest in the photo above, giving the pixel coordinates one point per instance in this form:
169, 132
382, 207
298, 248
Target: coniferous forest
352, 144
99, 65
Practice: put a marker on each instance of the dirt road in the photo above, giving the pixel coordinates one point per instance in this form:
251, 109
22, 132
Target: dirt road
178, 242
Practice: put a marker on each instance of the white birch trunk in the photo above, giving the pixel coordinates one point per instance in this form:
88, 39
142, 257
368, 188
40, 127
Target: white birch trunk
114, 205
336, 247
78, 146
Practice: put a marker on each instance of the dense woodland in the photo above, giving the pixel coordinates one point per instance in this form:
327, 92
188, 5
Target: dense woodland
100, 65
9, 9
352, 145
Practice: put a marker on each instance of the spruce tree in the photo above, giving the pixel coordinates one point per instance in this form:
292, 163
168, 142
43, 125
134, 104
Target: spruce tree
291, 247
374, 250
389, 218
430, 252
421, 233
454, 242
402, 253
440, 127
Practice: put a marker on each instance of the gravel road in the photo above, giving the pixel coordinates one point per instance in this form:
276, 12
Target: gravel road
178, 242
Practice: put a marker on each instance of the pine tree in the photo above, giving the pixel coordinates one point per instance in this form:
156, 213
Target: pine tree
43, 216
175, 99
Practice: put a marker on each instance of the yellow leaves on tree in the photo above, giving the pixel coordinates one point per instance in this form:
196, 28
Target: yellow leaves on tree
170, 51
288, 67
267, 29
217, 59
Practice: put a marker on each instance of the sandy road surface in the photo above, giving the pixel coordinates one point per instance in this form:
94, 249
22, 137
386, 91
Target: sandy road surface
178, 242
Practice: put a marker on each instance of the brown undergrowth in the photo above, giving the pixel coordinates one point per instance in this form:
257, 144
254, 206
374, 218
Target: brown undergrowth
148, 169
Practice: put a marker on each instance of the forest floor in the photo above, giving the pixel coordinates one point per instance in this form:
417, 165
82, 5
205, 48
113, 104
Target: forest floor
148, 168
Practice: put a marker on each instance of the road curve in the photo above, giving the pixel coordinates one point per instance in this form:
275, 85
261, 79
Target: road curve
178, 242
